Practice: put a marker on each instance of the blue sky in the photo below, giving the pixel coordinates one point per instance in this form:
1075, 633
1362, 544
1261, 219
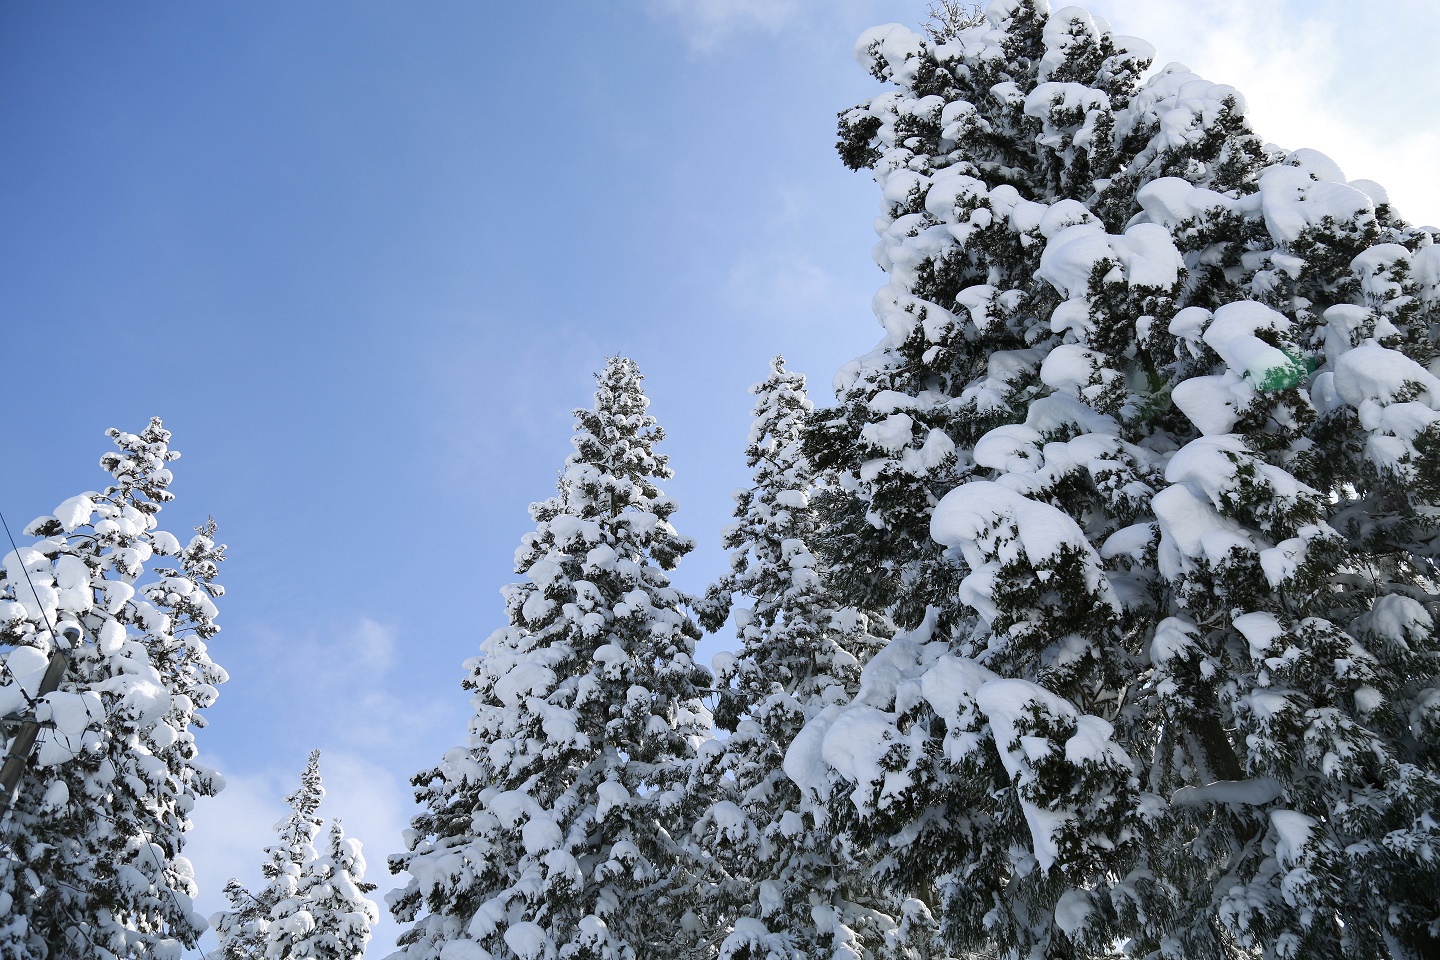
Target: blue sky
364, 257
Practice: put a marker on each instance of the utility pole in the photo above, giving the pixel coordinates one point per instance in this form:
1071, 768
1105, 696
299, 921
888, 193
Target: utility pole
24, 743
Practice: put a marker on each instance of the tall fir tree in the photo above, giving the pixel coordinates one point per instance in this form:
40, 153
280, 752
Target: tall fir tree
1146, 464
556, 831
800, 653
90, 852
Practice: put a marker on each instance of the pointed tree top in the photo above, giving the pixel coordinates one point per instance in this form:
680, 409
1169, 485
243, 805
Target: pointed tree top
305, 801
617, 433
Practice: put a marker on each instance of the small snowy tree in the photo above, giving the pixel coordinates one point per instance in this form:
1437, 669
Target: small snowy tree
90, 861
341, 915
263, 924
1146, 463
800, 653
310, 905
554, 832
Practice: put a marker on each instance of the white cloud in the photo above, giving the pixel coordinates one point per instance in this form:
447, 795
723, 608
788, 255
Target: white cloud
708, 22
784, 284
231, 829
338, 688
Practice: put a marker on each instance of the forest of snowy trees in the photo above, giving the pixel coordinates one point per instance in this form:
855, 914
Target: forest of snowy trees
1093, 616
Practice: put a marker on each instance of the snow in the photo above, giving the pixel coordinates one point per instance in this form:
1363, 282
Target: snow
1374, 375
540, 834
1232, 335
1190, 528
1213, 403
804, 762
1250, 793
27, 665
1145, 256
1399, 619
950, 686
463, 950
1425, 268
1005, 702
1211, 465
1293, 202
1173, 637
1283, 560
525, 679
969, 513
1132, 541
856, 744
1260, 631
1292, 834
1092, 740
1072, 911
1169, 201
57, 795
1070, 368
110, 637
75, 512
609, 795
527, 939
72, 712
891, 434
1012, 448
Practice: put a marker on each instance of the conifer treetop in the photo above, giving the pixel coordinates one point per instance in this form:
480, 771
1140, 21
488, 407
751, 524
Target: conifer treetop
555, 830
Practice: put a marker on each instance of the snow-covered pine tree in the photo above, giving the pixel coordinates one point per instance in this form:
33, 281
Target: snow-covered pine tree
265, 924
1160, 396
90, 861
340, 913
800, 652
554, 833
311, 906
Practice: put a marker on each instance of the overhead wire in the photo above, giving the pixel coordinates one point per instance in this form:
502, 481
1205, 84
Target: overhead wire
33, 592
29, 701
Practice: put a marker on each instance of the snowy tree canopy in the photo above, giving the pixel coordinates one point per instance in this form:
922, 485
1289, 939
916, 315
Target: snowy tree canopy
554, 831
1146, 463
92, 864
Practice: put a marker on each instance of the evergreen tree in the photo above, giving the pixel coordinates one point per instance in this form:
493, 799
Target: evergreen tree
90, 861
265, 924
341, 914
1146, 464
800, 652
554, 832
310, 905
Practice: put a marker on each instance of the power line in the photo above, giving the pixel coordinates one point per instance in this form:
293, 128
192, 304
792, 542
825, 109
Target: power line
33, 592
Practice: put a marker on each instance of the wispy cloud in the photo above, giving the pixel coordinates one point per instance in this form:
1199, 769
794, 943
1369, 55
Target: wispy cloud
787, 283
341, 687
707, 23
